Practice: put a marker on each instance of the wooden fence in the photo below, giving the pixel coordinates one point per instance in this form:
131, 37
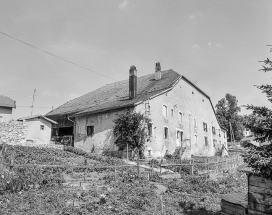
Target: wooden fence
206, 165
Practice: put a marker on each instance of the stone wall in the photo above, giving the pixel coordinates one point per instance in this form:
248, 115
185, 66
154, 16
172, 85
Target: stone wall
13, 132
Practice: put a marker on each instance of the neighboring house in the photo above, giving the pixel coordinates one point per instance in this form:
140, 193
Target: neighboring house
6, 105
38, 128
180, 112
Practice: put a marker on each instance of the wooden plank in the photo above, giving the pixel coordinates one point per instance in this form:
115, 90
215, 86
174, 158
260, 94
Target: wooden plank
232, 207
260, 207
260, 198
263, 190
231, 211
254, 212
259, 181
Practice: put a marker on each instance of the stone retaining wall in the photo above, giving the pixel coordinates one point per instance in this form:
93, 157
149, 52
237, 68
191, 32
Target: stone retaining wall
13, 132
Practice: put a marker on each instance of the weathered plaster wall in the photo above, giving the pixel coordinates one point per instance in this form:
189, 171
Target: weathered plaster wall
103, 136
186, 99
35, 133
5, 114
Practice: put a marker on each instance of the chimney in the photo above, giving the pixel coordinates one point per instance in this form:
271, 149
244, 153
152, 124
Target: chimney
158, 71
132, 82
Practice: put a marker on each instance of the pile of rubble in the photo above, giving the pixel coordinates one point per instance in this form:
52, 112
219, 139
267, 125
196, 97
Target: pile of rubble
13, 132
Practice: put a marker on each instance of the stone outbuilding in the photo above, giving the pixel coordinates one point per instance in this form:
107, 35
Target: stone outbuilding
38, 128
181, 114
6, 106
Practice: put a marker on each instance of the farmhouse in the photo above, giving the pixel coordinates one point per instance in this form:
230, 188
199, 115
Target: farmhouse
182, 115
6, 105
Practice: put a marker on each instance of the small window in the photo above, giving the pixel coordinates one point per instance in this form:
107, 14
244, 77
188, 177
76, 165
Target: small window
195, 122
149, 127
214, 143
206, 141
180, 117
90, 131
179, 135
42, 127
172, 112
165, 134
213, 130
195, 139
205, 126
164, 110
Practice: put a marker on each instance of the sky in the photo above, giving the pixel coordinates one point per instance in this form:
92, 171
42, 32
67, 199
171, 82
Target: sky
216, 44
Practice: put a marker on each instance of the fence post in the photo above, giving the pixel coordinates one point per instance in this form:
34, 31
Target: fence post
162, 211
217, 165
85, 169
160, 166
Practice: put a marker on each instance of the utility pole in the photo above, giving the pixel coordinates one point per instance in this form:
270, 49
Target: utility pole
33, 99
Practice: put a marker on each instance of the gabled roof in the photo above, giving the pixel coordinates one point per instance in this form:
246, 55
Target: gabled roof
116, 95
7, 102
37, 116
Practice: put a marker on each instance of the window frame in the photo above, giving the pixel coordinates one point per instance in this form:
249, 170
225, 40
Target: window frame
195, 139
42, 127
180, 117
205, 127
90, 126
165, 113
150, 134
181, 132
206, 140
165, 133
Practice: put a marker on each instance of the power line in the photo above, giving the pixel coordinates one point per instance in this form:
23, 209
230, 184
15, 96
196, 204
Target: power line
54, 55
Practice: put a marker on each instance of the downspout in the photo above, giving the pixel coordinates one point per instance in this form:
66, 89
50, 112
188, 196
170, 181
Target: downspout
73, 129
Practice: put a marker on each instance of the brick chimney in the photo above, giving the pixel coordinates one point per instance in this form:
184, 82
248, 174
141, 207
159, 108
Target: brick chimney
132, 82
158, 71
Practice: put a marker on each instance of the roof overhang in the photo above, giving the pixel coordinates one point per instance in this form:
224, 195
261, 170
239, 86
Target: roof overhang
37, 116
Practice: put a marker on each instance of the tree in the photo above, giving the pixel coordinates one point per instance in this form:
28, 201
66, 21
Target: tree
131, 128
259, 122
227, 110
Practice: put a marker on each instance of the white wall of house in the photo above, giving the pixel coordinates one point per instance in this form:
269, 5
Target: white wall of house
102, 137
39, 130
195, 107
5, 114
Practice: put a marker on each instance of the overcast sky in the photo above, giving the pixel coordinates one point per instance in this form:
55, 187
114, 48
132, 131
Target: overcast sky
215, 43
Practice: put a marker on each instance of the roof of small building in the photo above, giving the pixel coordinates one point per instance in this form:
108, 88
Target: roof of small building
37, 116
7, 102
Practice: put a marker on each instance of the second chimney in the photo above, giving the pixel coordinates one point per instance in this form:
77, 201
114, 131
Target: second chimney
132, 82
158, 71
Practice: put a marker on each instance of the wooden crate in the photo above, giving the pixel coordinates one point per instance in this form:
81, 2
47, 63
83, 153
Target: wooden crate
259, 195
234, 204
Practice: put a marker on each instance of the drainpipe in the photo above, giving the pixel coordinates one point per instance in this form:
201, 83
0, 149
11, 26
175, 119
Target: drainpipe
73, 128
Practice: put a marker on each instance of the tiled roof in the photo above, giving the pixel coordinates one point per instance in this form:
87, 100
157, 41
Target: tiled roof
116, 95
7, 102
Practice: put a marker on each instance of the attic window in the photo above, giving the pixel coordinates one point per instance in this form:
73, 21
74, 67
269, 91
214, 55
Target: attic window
192, 92
90, 131
42, 127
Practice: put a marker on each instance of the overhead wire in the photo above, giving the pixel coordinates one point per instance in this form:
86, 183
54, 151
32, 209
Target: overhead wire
61, 58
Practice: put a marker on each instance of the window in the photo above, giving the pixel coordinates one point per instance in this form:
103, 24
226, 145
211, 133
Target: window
90, 131
165, 133
213, 130
214, 143
42, 127
179, 135
195, 139
206, 141
205, 126
149, 127
180, 117
172, 112
164, 110
194, 122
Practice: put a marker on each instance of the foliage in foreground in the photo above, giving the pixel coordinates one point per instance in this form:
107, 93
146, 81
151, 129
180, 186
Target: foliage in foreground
131, 128
260, 124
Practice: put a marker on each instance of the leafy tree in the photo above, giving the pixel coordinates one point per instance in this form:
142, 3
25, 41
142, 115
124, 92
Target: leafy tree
227, 110
131, 128
260, 124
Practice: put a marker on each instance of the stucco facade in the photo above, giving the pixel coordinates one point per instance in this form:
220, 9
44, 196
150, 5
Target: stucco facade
5, 114
183, 99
